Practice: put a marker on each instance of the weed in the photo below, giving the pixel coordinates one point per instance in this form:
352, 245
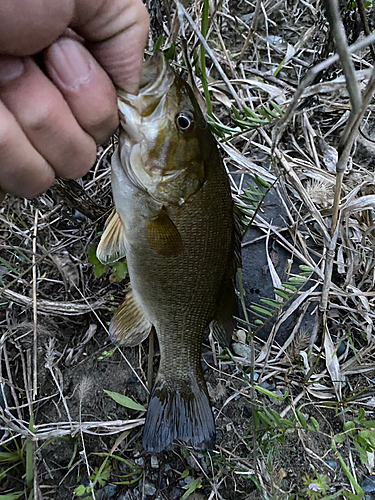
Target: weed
315, 488
109, 472
119, 268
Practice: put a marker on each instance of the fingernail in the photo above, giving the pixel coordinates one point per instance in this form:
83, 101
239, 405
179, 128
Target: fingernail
69, 63
10, 68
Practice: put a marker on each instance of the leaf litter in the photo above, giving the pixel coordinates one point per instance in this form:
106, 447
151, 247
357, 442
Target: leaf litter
280, 396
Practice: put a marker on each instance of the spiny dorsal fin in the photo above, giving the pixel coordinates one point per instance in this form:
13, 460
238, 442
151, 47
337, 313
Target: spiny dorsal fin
112, 244
129, 326
163, 235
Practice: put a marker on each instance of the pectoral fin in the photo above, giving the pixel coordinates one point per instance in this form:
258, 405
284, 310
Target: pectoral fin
112, 244
224, 323
163, 235
129, 326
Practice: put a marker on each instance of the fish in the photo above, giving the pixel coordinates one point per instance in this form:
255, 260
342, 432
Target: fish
174, 221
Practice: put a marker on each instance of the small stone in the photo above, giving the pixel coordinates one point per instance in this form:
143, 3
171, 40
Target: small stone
167, 468
282, 473
331, 463
109, 490
140, 461
176, 493
189, 479
79, 217
242, 350
368, 484
341, 348
267, 386
154, 462
241, 336
126, 495
149, 489
140, 392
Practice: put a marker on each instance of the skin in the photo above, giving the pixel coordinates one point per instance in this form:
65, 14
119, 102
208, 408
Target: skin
52, 118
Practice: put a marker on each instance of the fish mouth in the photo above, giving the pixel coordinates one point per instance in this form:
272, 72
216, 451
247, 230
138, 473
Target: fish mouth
156, 79
153, 73
142, 116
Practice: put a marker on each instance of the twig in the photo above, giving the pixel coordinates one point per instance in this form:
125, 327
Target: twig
183, 12
50, 306
309, 78
366, 29
35, 311
252, 30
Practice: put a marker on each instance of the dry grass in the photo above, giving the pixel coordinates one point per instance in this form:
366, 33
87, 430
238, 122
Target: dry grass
54, 311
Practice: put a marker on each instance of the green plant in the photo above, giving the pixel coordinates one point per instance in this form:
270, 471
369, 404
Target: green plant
262, 116
315, 488
246, 121
125, 401
119, 268
361, 432
109, 470
14, 456
191, 487
203, 74
107, 354
272, 428
263, 312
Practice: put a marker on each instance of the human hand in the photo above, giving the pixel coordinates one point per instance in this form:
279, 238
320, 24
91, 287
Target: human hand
50, 121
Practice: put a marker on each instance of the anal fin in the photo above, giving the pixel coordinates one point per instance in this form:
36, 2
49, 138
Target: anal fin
112, 244
129, 326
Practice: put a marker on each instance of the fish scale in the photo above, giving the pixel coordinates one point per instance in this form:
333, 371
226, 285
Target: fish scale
175, 224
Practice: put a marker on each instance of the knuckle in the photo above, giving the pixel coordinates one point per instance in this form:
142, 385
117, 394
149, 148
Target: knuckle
7, 136
39, 119
78, 161
100, 128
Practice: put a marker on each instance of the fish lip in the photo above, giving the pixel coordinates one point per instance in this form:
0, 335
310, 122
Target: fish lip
158, 78
156, 63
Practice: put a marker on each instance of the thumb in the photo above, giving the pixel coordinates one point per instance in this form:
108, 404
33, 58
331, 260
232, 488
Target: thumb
116, 35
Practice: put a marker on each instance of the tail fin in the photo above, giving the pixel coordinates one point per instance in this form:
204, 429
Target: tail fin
179, 410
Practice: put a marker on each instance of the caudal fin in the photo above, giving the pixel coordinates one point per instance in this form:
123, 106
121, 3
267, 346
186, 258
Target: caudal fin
179, 410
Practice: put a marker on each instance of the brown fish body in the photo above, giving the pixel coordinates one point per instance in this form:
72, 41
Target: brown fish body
179, 245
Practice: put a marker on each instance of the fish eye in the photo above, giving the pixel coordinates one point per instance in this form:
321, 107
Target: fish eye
185, 121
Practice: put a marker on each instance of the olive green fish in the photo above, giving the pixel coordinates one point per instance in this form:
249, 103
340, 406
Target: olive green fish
174, 222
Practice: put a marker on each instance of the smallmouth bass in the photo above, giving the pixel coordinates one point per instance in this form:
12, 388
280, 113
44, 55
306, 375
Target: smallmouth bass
174, 221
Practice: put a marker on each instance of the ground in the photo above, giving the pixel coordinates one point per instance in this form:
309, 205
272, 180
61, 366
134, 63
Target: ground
280, 430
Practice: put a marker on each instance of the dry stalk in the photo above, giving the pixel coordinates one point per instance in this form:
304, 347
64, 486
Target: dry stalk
308, 79
182, 12
35, 311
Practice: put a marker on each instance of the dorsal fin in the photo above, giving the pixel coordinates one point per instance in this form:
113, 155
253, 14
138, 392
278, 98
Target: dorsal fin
112, 244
